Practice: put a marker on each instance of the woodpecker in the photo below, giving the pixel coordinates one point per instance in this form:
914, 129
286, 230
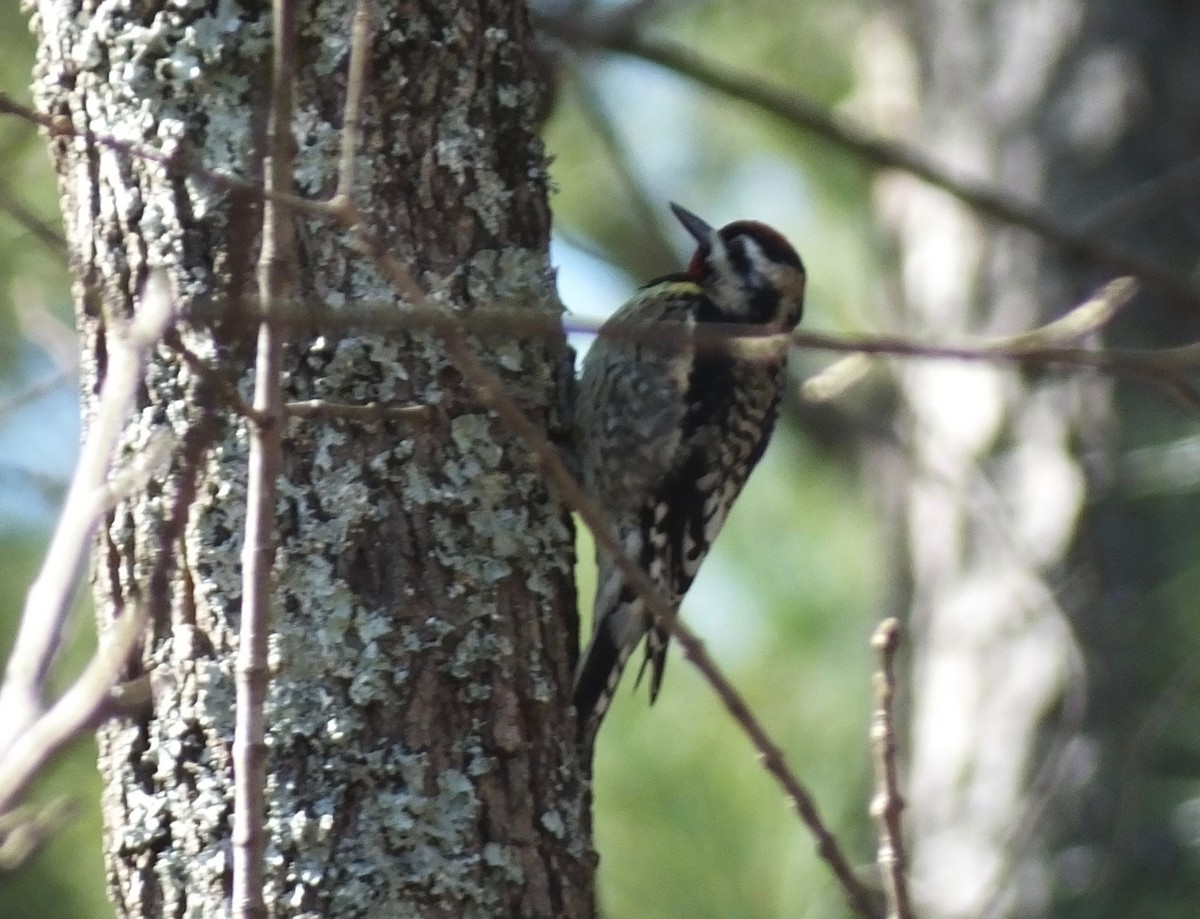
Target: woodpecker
669, 430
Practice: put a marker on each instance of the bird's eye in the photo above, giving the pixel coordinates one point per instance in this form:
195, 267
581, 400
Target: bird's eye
739, 258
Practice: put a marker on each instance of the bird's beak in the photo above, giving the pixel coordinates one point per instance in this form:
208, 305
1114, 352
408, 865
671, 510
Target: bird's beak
699, 230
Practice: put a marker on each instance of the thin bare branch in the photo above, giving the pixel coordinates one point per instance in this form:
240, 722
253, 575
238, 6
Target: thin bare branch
808, 115
42, 231
276, 278
177, 162
24, 829
888, 804
1163, 368
59, 340
356, 82
1090, 316
99, 691
221, 385
31, 393
58, 126
1160, 368
368, 412
73, 712
49, 599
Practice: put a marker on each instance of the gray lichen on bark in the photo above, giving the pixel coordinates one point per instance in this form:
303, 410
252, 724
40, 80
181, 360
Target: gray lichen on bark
421, 756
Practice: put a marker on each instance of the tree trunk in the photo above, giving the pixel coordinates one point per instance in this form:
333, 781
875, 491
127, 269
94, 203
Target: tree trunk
421, 757
1030, 577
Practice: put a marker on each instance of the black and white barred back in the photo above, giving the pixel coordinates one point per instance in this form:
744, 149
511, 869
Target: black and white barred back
669, 432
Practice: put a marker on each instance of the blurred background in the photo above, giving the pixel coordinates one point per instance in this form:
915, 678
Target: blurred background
1036, 529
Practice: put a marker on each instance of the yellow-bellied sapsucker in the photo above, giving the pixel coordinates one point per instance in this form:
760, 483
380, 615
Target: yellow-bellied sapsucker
669, 430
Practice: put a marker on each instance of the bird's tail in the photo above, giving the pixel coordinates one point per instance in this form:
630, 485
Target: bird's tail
597, 678
620, 622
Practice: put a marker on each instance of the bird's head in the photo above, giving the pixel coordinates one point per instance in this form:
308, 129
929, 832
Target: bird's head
750, 272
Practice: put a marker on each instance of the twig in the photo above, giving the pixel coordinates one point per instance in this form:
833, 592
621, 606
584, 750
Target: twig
356, 84
366, 412
888, 804
1041, 345
31, 393
34, 225
99, 693
276, 277
1090, 316
49, 599
59, 341
221, 385
810, 116
1161, 367
177, 162
73, 712
24, 829
1158, 367
61, 126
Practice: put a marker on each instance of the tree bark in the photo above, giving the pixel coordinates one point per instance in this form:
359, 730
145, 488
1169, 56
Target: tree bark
421, 755
1029, 587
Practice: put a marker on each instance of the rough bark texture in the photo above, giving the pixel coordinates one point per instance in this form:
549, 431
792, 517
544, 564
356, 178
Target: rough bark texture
421, 761
1023, 564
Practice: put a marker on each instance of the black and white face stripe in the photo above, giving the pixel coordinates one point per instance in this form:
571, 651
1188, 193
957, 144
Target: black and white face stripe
754, 253
770, 245
742, 256
748, 272
747, 268
752, 274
